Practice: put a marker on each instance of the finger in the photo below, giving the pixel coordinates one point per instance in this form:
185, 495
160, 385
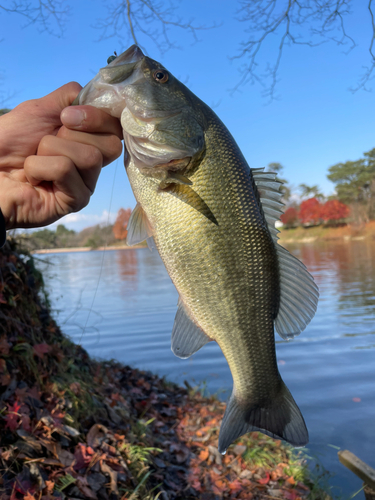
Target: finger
87, 159
63, 96
68, 193
109, 145
90, 119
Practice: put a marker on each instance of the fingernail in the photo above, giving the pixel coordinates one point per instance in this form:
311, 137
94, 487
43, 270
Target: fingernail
72, 117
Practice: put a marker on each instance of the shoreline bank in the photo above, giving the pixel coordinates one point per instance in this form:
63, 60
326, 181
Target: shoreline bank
84, 249
74, 427
345, 234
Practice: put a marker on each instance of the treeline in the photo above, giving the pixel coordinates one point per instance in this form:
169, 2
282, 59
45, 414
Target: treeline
353, 201
92, 237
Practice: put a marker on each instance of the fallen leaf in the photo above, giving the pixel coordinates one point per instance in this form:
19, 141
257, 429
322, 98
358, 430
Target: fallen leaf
84, 487
203, 455
49, 486
264, 480
41, 349
96, 435
12, 417
113, 477
29, 496
235, 486
83, 455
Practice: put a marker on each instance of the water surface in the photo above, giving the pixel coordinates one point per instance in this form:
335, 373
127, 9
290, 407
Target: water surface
128, 315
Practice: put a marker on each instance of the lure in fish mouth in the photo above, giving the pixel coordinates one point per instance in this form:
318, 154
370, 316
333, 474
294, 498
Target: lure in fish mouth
213, 222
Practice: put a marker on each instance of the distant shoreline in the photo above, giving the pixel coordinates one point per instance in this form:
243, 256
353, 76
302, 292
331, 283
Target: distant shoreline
365, 232
83, 249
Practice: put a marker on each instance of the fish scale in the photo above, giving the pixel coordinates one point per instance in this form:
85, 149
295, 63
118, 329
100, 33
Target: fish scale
212, 220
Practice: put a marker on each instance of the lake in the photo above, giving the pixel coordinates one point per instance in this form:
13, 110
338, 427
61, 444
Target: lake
121, 304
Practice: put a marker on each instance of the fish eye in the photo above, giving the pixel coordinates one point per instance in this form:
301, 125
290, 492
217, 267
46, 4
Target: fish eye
161, 76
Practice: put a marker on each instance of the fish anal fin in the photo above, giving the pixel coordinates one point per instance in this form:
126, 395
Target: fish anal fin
298, 303
279, 418
139, 227
187, 337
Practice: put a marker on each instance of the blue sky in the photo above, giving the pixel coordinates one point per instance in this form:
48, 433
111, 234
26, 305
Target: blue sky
315, 123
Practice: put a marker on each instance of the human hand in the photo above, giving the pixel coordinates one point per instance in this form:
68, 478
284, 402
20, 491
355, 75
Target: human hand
51, 156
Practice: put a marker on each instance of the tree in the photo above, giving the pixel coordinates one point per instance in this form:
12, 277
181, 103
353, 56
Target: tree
120, 226
308, 191
49, 15
277, 22
289, 217
309, 212
334, 210
355, 185
266, 22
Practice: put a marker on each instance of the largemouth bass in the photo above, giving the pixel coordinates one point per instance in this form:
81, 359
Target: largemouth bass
212, 220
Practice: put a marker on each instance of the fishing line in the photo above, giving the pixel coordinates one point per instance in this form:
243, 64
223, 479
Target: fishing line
104, 250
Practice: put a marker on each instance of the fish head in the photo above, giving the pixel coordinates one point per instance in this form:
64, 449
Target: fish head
162, 122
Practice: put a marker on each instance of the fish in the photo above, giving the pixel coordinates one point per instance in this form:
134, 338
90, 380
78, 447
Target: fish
212, 220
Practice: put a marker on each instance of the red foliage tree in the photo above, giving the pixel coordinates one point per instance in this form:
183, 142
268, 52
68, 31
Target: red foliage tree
309, 212
120, 226
334, 210
289, 217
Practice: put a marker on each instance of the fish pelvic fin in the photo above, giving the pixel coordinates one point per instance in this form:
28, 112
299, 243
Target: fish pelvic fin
278, 417
139, 227
187, 337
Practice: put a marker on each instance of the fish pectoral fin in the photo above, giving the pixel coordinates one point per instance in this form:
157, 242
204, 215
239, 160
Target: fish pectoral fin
139, 227
187, 195
278, 417
187, 337
174, 178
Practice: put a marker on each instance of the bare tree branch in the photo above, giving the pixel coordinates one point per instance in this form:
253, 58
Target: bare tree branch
145, 17
283, 18
368, 74
49, 15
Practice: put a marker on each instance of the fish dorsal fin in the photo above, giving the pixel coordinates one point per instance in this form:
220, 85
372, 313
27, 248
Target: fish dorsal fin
139, 227
298, 292
187, 337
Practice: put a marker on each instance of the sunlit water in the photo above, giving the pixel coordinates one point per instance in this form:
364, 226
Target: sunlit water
330, 368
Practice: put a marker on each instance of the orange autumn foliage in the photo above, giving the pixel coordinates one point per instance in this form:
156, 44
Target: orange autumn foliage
334, 210
120, 226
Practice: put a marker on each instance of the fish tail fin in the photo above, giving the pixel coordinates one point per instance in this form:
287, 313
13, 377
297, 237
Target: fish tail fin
278, 417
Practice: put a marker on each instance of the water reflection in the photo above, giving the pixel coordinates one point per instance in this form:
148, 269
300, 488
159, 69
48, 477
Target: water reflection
347, 270
127, 264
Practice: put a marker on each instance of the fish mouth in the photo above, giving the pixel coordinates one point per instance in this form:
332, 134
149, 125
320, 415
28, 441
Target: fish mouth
132, 55
107, 90
110, 88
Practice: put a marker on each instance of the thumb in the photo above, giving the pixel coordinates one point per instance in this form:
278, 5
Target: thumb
62, 97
